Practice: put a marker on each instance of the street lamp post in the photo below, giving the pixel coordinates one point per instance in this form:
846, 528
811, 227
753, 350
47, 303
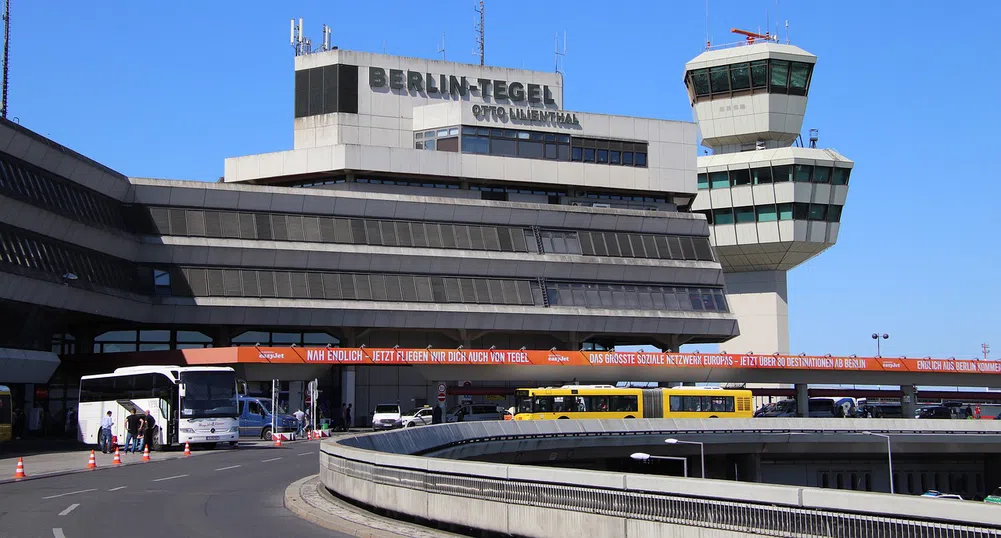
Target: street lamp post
877, 337
889, 455
702, 450
643, 456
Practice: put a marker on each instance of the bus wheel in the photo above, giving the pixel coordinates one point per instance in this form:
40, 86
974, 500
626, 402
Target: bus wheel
713, 416
561, 418
629, 416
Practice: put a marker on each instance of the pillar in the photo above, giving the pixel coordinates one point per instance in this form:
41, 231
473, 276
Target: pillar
348, 389
908, 401
760, 301
802, 400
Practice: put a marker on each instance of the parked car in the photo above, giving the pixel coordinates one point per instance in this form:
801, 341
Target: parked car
933, 411
256, 420
387, 417
418, 417
994, 498
474, 412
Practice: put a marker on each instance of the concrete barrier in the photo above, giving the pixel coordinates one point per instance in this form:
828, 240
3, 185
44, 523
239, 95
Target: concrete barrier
383, 471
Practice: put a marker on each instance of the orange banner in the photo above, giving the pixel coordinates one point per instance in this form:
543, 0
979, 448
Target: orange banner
486, 357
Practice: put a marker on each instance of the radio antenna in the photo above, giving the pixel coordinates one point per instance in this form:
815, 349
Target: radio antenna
6, 55
708, 41
560, 55
480, 32
441, 48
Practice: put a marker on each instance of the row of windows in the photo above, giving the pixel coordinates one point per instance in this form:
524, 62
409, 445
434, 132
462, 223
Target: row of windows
799, 173
199, 282
407, 183
133, 387
44, 189
26, 253
552, 146
702, 404
636, 297
581, 404
150, 340
280, 227
773, 212
772, 76
270, 338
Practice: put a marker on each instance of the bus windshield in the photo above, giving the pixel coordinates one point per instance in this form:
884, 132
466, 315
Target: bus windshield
209, 394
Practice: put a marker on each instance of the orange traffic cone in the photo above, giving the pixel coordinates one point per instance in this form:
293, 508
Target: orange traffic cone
278, 440
146, 453
19, 472
187, 449
118, 458
92, 462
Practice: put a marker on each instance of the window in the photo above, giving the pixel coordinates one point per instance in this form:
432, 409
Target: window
614, 157
800, 211
779, 76
475, 144
782, 174
703, 181
799, 78
834, 213
766, 213
640, 159
627, 158
719, 79
504, 147
818, 212
822, 174
740, 177
744, 214
700, 82
723, 216
602, 155
161, 282
761, 176
577, 154
719, 180
802, 173
448, 144
840, 176
759, 73
740, 76
589, 155
785, 211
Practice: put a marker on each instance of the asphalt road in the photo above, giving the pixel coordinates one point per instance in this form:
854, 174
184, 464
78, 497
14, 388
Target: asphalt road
235, 492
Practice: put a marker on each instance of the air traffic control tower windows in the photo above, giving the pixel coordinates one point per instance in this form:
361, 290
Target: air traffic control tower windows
800, 173
770, 76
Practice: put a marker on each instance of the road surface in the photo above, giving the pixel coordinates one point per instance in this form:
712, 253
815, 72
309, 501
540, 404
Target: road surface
232, 493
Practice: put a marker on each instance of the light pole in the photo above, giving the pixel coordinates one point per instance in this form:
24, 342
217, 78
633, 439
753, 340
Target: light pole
889, 454
702, 450
643, 456
877, 337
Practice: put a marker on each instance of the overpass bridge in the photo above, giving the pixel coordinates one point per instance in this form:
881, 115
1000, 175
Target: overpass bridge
453, 476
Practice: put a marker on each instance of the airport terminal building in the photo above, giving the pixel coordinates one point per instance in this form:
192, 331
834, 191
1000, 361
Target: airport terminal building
424, 204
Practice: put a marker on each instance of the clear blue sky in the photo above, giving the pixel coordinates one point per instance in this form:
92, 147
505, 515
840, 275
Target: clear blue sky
157, 91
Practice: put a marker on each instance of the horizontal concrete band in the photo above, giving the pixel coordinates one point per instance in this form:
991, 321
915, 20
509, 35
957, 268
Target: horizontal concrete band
380, 470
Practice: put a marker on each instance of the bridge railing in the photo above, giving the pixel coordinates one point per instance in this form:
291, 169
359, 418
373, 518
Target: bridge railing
554, 502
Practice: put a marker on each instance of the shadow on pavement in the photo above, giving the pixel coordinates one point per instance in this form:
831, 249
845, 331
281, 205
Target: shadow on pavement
35, 447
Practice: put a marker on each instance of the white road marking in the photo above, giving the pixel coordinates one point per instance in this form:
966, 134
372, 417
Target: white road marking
70, 509
170, 478
118, 488
305, 453
227, 468
58, 533
272, 459
70, 493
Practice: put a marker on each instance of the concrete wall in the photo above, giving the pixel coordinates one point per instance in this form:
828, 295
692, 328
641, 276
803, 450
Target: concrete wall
760, 301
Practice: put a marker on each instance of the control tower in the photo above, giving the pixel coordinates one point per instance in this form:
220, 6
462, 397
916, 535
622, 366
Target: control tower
771, 201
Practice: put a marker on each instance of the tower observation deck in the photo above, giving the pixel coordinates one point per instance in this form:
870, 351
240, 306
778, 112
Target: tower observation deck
771, 203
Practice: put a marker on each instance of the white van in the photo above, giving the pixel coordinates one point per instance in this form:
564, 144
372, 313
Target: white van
387, 417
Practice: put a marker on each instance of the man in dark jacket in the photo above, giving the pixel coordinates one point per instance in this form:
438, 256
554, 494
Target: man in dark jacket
436, 415
149, 430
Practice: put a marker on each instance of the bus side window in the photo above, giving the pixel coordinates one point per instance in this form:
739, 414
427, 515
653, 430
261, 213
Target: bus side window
581, 405
599, 403
242, 404
625, 404
692, 403
676, 404
707, 403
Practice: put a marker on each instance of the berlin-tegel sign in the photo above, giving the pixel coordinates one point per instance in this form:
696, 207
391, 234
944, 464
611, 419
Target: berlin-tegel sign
527, 359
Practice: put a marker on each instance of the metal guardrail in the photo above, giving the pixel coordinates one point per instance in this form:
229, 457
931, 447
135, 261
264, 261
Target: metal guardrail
380, 471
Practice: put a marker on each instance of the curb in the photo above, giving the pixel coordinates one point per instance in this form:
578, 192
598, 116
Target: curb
329, 516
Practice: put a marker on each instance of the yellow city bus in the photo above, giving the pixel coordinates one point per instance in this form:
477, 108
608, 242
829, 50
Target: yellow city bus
606, 401
6, 415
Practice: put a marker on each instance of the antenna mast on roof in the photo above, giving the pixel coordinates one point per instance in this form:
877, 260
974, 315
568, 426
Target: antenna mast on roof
559, 55
480, 32
708, 41
441, 48
6, 55
787, 32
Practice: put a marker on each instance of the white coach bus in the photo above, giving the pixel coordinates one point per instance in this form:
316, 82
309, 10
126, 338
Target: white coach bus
196, 404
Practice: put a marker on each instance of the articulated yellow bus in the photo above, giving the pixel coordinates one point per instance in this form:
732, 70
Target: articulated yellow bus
606, 401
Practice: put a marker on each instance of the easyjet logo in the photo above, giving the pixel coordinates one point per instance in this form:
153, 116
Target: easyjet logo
271, 355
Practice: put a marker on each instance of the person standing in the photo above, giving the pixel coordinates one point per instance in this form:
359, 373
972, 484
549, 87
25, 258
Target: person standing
299, 415
347, 418
132, 423
436, 415
105, 441
148, 425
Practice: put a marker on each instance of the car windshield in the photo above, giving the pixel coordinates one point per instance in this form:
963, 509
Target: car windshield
266, 404
454, 409
209, 394
384, 408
